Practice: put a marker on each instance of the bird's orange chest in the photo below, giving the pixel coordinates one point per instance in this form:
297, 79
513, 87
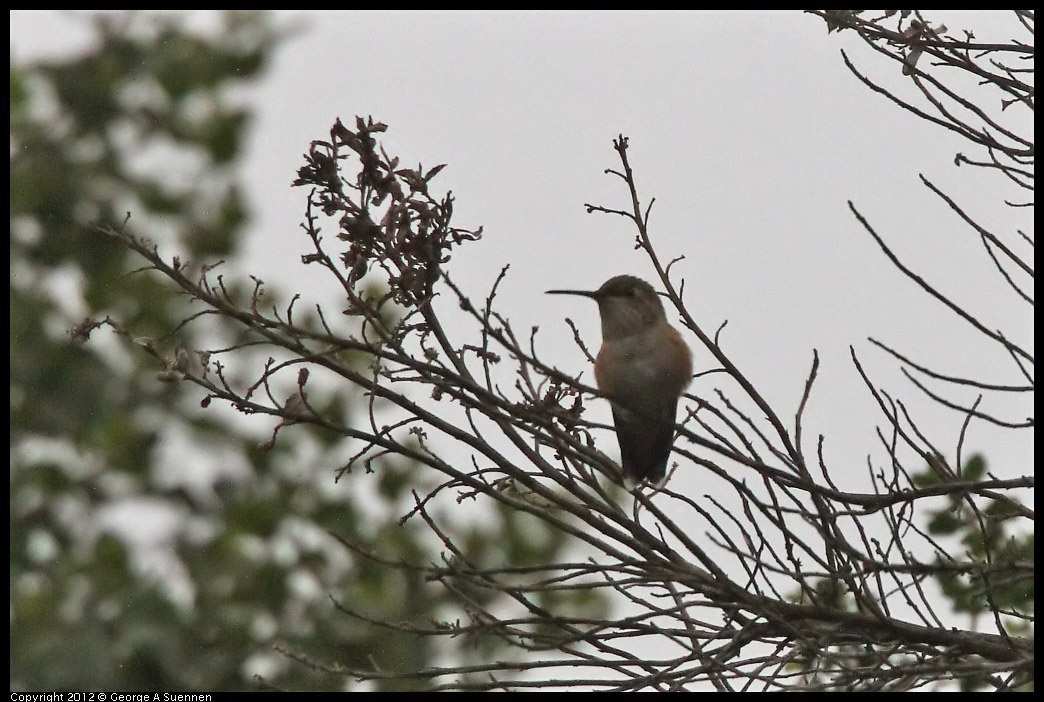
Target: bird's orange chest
653, 362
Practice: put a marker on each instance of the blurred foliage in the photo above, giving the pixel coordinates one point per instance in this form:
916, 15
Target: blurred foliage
984, 538
247, 563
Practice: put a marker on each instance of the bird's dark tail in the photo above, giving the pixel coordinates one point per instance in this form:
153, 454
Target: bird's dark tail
645, 445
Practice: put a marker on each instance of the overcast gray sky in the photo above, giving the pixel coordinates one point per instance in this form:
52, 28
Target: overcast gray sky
747, 129
745, 126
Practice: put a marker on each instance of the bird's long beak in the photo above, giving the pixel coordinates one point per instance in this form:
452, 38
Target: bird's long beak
582, 293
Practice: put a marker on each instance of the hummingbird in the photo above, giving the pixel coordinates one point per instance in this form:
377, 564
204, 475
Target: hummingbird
642, 367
